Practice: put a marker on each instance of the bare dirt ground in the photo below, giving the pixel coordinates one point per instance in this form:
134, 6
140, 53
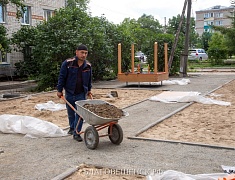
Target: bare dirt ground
199, 123
26, 106
100, 173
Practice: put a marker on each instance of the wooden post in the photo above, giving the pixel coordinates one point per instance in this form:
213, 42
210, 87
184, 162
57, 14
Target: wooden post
132, 58
119, 59
166, 57
155, 57
138, 68
148, 69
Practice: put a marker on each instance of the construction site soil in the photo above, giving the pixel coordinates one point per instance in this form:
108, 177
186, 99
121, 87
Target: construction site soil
200, 123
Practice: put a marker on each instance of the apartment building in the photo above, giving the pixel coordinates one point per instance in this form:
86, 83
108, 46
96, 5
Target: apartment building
35, 12
216, 15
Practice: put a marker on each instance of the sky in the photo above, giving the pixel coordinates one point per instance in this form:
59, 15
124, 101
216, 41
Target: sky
116, 11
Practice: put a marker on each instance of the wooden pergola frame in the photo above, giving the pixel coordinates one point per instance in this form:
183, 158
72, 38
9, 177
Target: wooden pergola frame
133, 76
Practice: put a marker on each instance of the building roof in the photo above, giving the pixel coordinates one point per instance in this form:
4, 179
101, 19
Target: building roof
217, 7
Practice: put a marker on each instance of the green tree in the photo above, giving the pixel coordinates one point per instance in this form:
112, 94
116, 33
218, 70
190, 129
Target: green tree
217, 50
193, 34
148, 22
54, 42
203, 41
127, 35
24, 41
101, 56
229, 34
4, 42
82, 4
161, 39
139, 32
173, 25
48, 44
149, 27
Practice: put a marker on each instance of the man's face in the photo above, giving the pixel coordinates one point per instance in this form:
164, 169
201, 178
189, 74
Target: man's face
81, 54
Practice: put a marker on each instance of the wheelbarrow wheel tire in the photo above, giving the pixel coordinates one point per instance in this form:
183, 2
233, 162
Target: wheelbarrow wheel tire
91, 137
117, 134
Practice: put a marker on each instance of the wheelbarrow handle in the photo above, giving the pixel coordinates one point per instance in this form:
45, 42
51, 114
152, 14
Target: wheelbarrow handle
75, 110
70, 105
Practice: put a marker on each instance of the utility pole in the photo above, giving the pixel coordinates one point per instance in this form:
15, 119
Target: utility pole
184, 56
176, 37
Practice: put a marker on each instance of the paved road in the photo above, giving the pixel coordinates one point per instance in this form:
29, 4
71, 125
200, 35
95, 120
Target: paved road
46, 158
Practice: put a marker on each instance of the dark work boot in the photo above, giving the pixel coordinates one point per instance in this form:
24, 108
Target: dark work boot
77, 137
70, 131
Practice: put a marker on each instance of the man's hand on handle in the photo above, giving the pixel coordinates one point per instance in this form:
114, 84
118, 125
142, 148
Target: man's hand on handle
89, 94
59, 94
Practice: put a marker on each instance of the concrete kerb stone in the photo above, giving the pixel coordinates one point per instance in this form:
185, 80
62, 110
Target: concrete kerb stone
134, 137
66, 174
181, 142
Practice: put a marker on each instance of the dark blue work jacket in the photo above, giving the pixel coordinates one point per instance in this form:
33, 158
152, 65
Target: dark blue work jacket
69, 74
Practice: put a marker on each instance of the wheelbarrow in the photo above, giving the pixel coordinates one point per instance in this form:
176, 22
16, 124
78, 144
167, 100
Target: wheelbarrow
97, 123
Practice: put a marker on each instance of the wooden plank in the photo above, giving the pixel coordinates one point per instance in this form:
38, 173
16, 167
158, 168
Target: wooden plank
130, 77
119, 58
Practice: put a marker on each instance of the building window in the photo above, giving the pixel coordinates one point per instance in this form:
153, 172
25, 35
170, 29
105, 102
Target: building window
219, 15
218, 23
48, 14
206, 15
3, 57
206, 23
2, 13
209, 30
26, 16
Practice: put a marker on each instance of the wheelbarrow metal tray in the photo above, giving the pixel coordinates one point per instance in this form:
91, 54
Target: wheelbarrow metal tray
92, 118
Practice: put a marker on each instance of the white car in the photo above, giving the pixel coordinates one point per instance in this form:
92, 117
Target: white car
197, 54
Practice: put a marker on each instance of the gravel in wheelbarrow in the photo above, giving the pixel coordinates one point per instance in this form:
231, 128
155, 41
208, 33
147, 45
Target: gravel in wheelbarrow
97, 112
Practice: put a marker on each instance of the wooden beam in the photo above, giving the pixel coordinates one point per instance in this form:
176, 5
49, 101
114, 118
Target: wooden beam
138, 77
119, 59
166, 57
155, 57
132, 58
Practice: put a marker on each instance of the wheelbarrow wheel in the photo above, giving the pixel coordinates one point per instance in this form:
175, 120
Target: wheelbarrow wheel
117, 134
91, 137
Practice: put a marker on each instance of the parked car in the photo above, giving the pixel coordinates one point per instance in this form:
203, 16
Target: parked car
197, 54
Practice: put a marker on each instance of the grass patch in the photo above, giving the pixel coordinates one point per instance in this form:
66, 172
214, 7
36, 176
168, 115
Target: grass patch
207, 64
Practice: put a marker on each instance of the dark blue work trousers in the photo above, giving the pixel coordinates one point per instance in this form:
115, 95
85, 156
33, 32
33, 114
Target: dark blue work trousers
72, 115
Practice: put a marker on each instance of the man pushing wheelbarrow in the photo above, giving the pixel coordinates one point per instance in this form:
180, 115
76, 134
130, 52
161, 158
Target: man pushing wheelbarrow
75, 78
